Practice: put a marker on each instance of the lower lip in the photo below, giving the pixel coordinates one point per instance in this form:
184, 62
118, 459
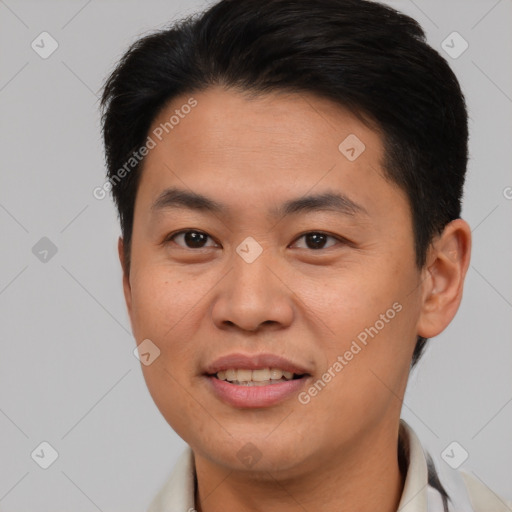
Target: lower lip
255, 396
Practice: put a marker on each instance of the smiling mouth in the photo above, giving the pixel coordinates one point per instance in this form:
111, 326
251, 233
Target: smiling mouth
257, 377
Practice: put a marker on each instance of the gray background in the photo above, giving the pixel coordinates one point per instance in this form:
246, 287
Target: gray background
68, 375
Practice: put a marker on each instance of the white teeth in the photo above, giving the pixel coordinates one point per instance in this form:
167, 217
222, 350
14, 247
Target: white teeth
261, 376
230, 374
276, 373
244, 375
253, 383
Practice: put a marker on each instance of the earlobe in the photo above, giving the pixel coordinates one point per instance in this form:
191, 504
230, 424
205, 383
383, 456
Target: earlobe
444, 274
126, 276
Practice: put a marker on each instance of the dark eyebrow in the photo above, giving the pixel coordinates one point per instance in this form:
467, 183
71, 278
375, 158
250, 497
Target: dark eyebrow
333, 201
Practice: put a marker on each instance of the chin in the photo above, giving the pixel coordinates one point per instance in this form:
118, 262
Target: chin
255, 454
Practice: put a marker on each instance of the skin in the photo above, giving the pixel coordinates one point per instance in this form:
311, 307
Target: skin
338, 452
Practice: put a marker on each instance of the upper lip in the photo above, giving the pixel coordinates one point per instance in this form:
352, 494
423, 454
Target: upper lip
253, 362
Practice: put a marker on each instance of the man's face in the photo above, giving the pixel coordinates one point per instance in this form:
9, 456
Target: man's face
315, 285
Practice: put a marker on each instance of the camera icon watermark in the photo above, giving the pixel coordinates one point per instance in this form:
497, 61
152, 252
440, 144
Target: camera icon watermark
351, 147
454, 455
249, 249
146, 352
44, 455
44, 45
249, 455
44, 250
454, 45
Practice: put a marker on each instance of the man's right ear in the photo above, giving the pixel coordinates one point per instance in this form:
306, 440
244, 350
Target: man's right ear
126, 276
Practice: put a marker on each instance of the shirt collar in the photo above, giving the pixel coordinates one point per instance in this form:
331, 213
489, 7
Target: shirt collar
177, 495
414, 494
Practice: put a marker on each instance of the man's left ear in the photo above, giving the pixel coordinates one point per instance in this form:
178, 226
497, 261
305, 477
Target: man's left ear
443, 278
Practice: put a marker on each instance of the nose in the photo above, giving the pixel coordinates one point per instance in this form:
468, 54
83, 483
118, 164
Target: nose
254, 295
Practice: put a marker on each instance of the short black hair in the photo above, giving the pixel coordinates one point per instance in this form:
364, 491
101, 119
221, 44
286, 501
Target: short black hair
361, 54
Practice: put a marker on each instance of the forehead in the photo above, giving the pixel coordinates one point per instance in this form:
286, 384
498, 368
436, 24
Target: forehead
292, 124
245, 150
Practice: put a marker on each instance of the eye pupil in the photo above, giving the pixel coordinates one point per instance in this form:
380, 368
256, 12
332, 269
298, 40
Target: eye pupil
318, 240
193, 238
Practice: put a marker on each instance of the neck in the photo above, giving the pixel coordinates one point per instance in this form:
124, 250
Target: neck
365, 478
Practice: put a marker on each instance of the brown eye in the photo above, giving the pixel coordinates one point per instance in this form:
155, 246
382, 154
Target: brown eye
316, 240
192, 239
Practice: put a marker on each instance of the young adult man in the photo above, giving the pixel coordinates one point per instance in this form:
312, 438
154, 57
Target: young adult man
288, 177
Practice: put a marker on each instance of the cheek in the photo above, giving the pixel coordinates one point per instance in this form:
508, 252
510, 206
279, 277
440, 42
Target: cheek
161, 303
178, 404
368, 312
159, 300
166, 308
348, 299
149, 305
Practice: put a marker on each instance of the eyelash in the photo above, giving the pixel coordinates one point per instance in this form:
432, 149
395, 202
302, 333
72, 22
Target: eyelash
341, 240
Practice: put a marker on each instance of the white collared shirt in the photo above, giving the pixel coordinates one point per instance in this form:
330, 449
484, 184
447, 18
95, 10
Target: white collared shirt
466, 493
